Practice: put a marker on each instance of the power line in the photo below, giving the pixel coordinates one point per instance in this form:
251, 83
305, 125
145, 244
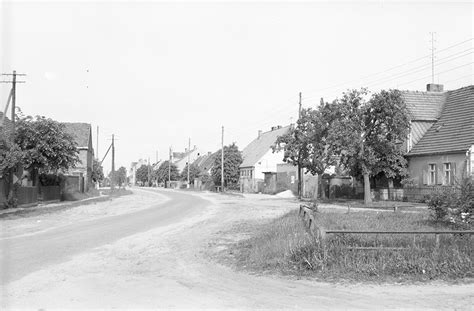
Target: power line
439, 73
386, 70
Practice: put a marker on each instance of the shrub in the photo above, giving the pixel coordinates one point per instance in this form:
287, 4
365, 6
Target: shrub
455, 204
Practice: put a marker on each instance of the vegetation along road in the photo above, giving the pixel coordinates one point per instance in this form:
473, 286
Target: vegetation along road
167, 249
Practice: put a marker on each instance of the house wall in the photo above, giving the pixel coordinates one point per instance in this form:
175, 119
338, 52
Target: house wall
419, 171
268, 163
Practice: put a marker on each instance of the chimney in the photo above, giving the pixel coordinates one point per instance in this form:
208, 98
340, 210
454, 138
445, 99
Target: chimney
259, 134
431, 87
194, 148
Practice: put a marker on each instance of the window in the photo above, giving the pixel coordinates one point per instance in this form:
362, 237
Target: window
432, 174
447, 174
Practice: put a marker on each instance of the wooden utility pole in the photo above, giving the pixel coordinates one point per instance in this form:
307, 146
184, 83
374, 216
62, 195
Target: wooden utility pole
300, 182
11, 96
148, 171
112, 179
97, 143
169, 168
189, 157
222, 161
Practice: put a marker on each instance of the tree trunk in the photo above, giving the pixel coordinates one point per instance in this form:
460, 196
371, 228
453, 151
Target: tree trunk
367, 197
316, 188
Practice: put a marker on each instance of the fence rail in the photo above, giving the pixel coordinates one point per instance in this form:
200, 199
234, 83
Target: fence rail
307, 213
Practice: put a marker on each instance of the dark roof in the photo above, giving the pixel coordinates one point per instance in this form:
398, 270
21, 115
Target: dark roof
426, 106
81, 133
260, 145
206, 161
454, 130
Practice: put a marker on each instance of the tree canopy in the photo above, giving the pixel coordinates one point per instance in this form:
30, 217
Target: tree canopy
194, 172
162, 173
142, 173
232, 161
121, 176
97, 171
45, 145
368, 135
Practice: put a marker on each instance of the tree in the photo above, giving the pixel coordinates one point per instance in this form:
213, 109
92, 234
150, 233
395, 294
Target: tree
232, 161
162, 173
142, 173
10, 155
120, 176
46, 146
367, 135
97, 171
194, 172
307, 144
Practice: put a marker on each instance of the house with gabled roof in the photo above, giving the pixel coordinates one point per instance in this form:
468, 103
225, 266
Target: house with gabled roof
443, 155
82, 134
259, 158
424, 110
206, 162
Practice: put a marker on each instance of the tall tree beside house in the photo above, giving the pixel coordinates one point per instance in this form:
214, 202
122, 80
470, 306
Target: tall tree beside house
307, 144
367, 135
194, 172
232, 161
46, 147
162, 173
97, 171
10, 155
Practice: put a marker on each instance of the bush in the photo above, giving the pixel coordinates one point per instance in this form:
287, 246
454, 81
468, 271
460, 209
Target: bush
454, 204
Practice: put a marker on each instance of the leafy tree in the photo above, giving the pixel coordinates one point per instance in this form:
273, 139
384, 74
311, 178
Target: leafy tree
162, 173
194, 172
45, 144
366, 135
142, 173
307, 144
97, 171
10, 155
121, 176
232, 161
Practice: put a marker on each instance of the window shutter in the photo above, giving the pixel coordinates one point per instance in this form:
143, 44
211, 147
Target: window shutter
425, 176
454, 178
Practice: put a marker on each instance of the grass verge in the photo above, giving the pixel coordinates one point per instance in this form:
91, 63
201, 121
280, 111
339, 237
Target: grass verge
284, 246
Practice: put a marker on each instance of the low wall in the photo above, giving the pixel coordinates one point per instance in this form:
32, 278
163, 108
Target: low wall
27, 195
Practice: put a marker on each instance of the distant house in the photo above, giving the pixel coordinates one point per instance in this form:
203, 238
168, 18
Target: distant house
258, 158
180, 159
444, 153
206, 162
82, 133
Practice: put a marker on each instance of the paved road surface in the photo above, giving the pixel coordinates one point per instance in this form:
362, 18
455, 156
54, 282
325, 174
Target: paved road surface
25, 254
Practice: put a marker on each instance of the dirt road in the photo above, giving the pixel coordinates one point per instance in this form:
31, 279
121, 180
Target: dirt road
172, 265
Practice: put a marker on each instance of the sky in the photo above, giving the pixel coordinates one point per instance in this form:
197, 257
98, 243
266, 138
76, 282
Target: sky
157, 73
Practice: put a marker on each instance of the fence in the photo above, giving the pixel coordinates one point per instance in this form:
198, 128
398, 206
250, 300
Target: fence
50, 193
407, 194
307, 213
27, 195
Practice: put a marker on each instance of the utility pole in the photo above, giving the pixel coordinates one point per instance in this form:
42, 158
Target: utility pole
148, 171
12, 96
97, 145
112, 179
300, 183
169, 168
433, 40
189, 157
222, 160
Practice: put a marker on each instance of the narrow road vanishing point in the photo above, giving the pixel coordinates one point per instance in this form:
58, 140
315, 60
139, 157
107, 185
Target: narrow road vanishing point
160, 256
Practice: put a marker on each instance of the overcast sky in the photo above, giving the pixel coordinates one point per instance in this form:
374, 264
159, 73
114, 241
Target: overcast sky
155, 73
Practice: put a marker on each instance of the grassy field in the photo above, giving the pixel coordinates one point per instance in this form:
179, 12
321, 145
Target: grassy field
285, 246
